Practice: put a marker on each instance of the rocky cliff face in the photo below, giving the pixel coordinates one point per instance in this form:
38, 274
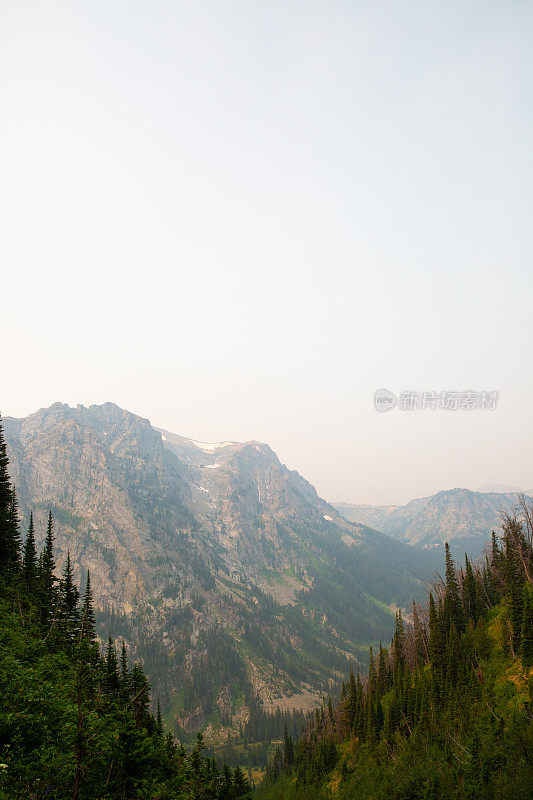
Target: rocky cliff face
459, 516
209, 557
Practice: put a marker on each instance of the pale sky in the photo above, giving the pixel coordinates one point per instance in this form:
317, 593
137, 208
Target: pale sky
240, 219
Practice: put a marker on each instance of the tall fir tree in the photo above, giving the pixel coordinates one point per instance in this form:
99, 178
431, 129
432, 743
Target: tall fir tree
111, 667
471, 604
68, 600
241, 787
14, 542
87, 621
398, 645
48, 594
452, 604
9, 530
140, 692
29, 561
159, 720
124, 677
513, 583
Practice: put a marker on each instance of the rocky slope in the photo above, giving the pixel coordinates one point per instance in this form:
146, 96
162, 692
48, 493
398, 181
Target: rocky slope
460, 516
223, 569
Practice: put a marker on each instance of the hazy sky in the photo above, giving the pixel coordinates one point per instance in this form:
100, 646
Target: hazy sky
240, 219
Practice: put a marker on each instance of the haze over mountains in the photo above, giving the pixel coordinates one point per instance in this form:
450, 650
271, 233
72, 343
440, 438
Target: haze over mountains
224, 570
460, 516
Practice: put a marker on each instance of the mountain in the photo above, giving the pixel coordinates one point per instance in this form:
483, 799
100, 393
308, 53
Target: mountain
459, 516
240, 588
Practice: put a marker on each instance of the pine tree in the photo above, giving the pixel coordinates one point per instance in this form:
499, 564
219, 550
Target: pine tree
383, 672
68, 600
288, 748
9, 532
452, 604
227, 791
29, 561
513, 584
111, 667
47, 577
196, 754
241, 787
140, 692
87, 613
398, 645
124, 671
14, 544
470, 592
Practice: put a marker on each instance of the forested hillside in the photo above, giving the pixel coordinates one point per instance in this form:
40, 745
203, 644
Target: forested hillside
76, 722
447, 711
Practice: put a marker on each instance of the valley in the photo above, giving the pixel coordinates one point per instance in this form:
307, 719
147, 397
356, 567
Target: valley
240, 589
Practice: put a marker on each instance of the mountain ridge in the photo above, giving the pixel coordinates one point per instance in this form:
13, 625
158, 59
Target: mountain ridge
197, 551
459, 515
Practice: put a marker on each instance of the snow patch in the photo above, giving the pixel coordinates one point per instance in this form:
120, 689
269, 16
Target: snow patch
327, 516
210, 447
164, 438
212, 466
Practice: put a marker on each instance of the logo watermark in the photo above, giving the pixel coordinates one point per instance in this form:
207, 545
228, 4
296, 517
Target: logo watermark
469, 400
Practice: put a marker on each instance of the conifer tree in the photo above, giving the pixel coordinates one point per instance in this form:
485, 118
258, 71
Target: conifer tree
47, 576
48, 591
14, 545
68, 600
470, 592
87, 628
288, 748
9, 532
140, 692
196, 754
124, 663
513, 584
227, 791
29, 561
398, 645
111, 666
159, 720
383, 672
452, 605
241, 787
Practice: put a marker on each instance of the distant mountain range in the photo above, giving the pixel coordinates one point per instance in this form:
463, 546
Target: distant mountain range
460, 516
223, 570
